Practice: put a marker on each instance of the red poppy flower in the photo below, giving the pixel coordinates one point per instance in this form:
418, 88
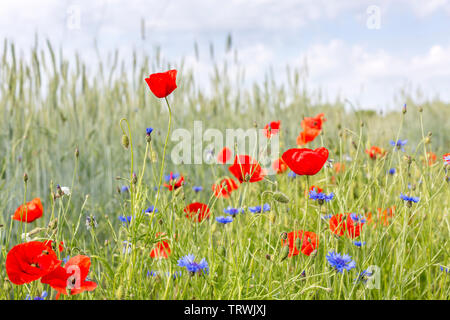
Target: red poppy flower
197, 211
172, 184
161, 249
318, 190
162, 84
224, 188
344, 223
30, 211
305, 161
307, 135
431, 156
375, 152
72, 276
224, 155
279, 166
30, 261
247, 169
309, 242
383, 217
272, 128
313, 122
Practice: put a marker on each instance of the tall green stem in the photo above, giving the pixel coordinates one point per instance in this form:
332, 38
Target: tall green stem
164, 155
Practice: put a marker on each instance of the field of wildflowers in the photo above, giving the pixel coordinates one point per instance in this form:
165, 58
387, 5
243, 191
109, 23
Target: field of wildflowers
345, 204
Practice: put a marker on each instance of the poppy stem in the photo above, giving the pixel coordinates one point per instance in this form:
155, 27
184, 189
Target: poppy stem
164, 156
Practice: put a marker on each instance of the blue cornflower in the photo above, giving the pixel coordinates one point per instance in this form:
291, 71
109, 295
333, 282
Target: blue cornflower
363, 276
399, 144
224, 220
124, 189
340, 262
149, 131
447, 270
359, 243
151, 209
327, 217
193, 267
152, 273
125, 220
320, 196
172, 176
358, 218
257, 209
409, 200
233, 211
292, 174
41, 297
197, 188
391, 171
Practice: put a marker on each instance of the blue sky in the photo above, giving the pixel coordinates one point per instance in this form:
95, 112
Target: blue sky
369, 67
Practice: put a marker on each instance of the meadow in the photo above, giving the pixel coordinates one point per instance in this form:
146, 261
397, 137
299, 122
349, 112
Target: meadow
68, 125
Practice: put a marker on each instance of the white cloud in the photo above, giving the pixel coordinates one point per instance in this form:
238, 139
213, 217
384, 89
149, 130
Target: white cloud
373, 77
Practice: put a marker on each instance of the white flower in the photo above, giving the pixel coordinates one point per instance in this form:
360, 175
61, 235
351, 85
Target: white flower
65, 190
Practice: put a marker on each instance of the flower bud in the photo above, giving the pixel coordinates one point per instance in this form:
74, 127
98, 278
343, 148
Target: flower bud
125, 141
404, 109
284, 253
280, 197
25, 177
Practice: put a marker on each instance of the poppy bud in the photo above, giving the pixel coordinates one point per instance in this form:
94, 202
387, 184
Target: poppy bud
77, 152
269, 257
361, 124
125, 141
284, 235
25, 177
280, 197
284, 253
134, 179
420, 109
427, 140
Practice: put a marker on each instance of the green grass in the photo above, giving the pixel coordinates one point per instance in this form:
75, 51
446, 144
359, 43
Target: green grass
49, 107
